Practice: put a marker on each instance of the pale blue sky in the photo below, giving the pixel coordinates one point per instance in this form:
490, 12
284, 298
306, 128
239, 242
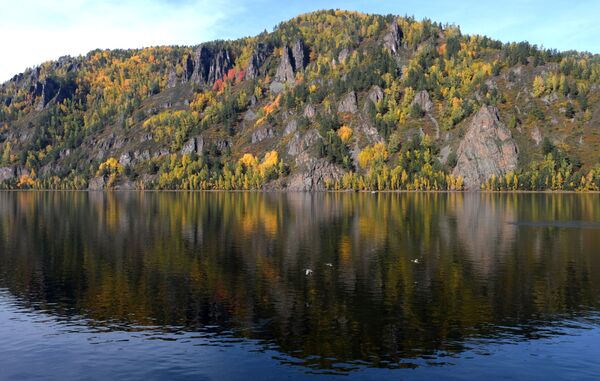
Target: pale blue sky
34, 31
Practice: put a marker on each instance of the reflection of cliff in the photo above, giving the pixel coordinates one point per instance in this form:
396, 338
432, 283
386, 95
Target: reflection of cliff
237, 261
483, 223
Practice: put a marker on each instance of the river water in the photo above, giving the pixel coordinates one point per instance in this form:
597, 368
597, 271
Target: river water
275, 286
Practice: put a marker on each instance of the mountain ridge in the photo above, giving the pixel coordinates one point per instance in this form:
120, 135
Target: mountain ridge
328, 100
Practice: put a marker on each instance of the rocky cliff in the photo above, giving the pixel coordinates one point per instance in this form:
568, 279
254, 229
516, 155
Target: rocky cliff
330, 99
487, 149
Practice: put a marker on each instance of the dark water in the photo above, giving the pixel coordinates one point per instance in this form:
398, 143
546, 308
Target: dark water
249, 286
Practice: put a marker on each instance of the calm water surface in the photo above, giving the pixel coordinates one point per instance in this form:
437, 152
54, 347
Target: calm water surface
243, 286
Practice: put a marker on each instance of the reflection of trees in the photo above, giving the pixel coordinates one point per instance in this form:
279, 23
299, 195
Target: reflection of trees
237, 260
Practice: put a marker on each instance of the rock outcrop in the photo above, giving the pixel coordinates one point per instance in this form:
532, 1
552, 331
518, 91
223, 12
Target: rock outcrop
314, 174
348, 103
262, 133
208, 65
392, 41
257, 59
290, 128
6, 173
125, 159
536, 135
300, 56
423, 100
45, 90
309, 111
299, 144
285, 71
293, 60
97, 183
193, 145
487, 149
375, 94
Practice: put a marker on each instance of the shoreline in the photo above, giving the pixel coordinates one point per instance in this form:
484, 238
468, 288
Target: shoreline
305, 192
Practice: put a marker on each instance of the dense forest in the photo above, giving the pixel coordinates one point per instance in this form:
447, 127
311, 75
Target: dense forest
328, 100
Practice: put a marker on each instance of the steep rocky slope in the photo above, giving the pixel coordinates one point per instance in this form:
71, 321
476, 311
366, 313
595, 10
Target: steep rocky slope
328, 100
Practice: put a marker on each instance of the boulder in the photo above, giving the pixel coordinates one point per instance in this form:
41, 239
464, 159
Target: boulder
348, 103
375, 94
487, 149
423, 100
536, 135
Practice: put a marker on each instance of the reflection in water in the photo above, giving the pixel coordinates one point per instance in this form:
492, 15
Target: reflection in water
394, 277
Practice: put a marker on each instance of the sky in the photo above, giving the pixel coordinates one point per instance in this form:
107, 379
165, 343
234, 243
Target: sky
34, 31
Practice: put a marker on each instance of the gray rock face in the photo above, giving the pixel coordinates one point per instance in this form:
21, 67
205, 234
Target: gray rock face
194, 145
142, 155
6, 173
309, 111
292, 61
392, 41
250, 116
97, 183
276, 87
299, 54
348, 103
299, 144
536, 135
42, 90
314, 175
290, 128
370, 132
222, 144
46, 90
375, 94
172, 81
256, 61
487, 149
285, 71
444, 153
262, 133
125, 159
208, 65
423, 100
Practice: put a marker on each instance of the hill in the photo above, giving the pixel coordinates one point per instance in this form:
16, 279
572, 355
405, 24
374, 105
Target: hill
328, 100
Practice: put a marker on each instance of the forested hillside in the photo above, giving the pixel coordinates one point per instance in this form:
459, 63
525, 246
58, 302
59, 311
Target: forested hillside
328, 100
